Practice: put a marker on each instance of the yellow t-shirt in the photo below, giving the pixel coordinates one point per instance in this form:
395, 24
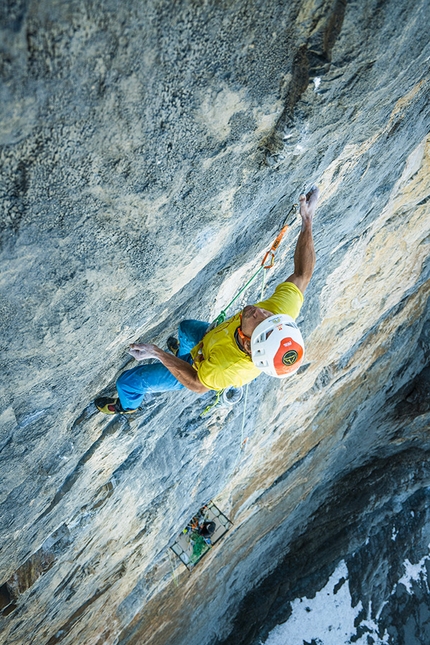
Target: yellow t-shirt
217, 358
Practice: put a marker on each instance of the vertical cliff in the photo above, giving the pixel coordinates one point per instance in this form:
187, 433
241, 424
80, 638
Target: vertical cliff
149, 153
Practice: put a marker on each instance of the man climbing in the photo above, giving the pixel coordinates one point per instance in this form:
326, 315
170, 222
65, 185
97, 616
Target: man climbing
262, 337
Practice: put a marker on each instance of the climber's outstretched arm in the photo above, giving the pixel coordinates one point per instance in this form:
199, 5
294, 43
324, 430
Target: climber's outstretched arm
304, 255
183, 371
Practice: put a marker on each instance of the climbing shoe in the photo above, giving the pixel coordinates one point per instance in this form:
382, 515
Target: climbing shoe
173, 345
108, 405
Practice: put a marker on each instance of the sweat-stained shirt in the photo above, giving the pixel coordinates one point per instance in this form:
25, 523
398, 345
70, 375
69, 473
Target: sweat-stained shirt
217, 358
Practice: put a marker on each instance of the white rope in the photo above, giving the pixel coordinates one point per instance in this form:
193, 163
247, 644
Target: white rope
242, 433
242, 438
263, 285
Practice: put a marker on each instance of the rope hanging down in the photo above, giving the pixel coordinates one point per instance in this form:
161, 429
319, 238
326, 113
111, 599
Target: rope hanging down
267, 263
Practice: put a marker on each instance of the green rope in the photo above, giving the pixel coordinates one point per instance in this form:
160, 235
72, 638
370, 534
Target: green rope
263, 285
222, 316
209, 407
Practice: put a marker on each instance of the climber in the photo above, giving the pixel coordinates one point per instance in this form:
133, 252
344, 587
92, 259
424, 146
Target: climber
207, 529
261, 338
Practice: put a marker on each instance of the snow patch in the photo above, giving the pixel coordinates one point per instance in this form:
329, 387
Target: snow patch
327, 619
415, 573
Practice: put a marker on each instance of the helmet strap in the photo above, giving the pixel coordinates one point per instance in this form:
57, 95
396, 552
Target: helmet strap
243, 337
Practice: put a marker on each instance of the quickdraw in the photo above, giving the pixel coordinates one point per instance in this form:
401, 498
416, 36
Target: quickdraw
209, 407
271, 252
267, 263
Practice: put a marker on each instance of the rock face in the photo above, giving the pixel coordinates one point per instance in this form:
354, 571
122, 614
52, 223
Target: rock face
149, 154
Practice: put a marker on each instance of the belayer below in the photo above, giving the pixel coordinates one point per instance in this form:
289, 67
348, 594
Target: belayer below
260, 338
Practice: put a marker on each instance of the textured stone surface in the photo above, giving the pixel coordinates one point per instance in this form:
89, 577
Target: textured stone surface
149, 152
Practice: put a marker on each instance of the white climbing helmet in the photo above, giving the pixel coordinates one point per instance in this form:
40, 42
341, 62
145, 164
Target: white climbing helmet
277, 346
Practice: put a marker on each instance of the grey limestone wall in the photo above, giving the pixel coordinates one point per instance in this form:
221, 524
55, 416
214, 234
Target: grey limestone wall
149, 152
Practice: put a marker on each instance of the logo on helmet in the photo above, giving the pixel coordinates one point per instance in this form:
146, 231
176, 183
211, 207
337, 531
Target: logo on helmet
289, 358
